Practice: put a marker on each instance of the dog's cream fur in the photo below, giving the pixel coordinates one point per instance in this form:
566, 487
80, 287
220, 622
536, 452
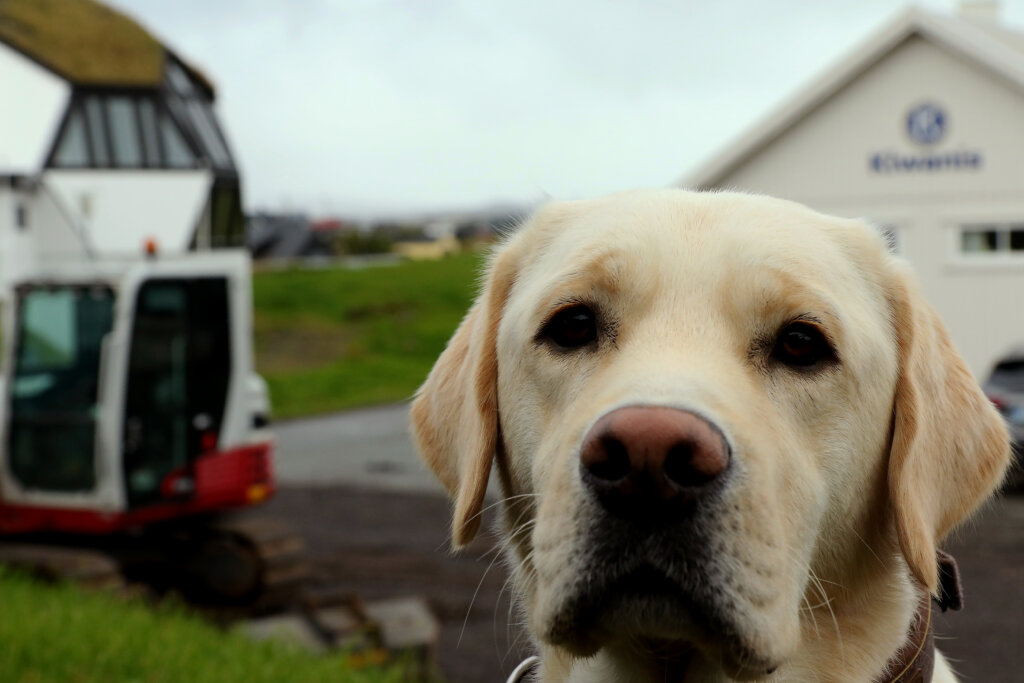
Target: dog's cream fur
844, 480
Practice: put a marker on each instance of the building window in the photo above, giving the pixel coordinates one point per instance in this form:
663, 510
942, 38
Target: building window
992, 239
150, 132
121, 130
97, 127
204, 124
195, 117
179, 154
124, 131
73, 149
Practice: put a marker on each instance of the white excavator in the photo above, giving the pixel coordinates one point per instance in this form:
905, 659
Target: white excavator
132, 422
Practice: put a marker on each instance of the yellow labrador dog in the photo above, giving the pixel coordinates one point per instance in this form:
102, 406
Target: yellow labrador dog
730, 434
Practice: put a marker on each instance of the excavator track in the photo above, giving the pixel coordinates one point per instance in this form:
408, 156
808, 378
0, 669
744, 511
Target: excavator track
247, 559
87, 568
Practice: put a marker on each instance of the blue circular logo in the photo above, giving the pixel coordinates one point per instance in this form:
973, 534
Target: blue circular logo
926, 124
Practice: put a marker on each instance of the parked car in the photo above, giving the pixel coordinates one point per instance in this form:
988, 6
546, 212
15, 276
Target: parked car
1005, 388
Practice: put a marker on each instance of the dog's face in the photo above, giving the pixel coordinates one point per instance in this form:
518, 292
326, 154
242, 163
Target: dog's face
703, 408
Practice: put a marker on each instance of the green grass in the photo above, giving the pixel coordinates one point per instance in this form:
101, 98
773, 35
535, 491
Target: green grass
335, 339
61, 635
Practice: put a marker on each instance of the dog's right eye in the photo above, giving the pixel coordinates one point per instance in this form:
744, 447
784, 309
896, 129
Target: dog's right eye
571, 328
802, 345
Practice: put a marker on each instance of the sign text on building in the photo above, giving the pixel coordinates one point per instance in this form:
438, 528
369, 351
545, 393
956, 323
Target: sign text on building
925, 125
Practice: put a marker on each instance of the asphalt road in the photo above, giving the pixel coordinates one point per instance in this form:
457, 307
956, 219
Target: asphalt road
376, 524
368, 448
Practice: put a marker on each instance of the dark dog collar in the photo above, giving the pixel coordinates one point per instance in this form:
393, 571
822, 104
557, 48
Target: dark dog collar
914, 662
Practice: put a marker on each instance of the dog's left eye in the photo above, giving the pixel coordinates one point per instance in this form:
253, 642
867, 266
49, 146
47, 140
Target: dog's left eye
572, 327
802, 344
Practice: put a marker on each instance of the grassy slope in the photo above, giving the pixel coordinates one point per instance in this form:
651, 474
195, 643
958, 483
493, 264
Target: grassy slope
334, 339
56, 633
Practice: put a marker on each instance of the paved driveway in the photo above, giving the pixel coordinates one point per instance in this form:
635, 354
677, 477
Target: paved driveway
367, 448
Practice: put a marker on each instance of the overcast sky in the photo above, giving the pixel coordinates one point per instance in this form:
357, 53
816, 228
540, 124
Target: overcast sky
392, 106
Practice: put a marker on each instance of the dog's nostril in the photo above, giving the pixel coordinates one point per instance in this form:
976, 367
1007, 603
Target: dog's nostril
683, 467
677, 466
613, 463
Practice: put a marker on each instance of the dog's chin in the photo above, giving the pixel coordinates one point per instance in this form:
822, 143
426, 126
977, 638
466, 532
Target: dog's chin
656, 618
641, 604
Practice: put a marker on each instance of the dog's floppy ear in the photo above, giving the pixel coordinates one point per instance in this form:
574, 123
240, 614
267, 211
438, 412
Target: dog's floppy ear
455, 413
950, 447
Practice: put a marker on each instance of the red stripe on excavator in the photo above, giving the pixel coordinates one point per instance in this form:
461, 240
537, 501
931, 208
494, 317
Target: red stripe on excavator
234, 478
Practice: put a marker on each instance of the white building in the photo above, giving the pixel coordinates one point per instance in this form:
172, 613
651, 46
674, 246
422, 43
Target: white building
107, 140
920, 129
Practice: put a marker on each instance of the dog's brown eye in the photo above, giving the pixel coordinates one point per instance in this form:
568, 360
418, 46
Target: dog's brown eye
801, 344
571, 327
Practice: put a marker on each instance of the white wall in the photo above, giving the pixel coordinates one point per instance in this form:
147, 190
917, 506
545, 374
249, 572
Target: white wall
121, 209
33, 103
824, 161
17, 251
825, 158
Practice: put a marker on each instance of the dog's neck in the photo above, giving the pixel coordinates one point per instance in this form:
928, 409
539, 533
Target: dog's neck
914, 662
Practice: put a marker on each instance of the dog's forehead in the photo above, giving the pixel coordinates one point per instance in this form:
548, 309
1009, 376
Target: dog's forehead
698, 237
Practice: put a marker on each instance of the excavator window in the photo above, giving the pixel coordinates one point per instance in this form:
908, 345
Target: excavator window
51, 437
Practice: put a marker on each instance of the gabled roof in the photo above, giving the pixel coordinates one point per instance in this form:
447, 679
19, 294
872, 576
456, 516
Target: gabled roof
984, 42
85, 42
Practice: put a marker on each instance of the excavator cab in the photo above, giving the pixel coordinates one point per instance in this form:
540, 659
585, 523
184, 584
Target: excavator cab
130, 396
132, 421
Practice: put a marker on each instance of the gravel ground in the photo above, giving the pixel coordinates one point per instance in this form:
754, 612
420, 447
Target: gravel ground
382, 545
985, 641
390, 545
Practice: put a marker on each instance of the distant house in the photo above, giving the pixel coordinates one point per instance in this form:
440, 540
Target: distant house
104, 131
286, 237
427, 248
331, 226
918, 129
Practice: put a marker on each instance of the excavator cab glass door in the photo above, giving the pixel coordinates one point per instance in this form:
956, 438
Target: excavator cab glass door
51, 436
179, 366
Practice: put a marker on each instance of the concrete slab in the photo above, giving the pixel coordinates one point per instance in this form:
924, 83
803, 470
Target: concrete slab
290, 629
405, 623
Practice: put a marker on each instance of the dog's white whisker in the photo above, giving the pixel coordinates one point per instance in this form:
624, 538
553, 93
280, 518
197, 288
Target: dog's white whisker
868, 546
478, 515
499, 503
814, 617
819, 605
472, 600
828, 603
508, 616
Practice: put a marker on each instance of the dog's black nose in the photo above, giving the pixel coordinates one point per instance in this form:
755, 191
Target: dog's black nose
646, 463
